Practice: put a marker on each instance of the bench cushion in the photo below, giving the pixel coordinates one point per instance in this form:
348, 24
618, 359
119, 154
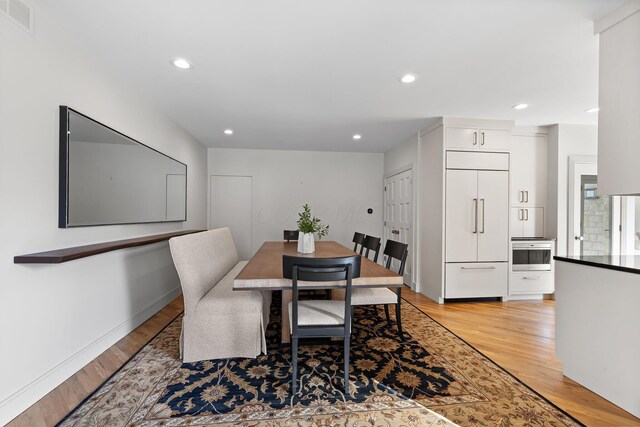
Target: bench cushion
223, 299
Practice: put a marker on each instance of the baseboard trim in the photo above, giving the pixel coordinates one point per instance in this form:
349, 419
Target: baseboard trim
18, 402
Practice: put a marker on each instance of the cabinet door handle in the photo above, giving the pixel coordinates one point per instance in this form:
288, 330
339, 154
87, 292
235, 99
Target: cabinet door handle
491, 267
520, 215
482, 143
532, 278
475, 138
475, 216
521, 194
482, 200
526, 196
526, 214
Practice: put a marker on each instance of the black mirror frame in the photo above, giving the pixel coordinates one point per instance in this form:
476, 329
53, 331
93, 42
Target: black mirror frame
63, 171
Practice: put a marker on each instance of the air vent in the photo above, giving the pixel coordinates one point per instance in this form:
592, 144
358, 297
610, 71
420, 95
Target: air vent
19, 12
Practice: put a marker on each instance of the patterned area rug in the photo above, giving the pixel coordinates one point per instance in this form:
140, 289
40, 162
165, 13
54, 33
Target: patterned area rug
391, 383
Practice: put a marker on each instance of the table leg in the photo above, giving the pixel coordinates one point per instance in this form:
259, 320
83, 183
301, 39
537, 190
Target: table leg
285, 337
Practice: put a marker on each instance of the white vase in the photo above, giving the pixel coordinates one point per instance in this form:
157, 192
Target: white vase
306, 243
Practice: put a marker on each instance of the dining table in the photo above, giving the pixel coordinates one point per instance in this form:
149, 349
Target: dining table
263, 272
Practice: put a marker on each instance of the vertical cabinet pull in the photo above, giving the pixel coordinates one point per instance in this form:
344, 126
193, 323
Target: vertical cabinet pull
526, 216
482, 143
526, 196
482, 200
521, 194
475, 216
475, 138
520, 215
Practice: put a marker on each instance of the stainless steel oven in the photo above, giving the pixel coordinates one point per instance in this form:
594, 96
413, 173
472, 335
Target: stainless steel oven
531, 256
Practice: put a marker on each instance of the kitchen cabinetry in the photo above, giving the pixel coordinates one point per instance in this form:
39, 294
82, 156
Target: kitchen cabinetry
464, 138
528, 182
463, 235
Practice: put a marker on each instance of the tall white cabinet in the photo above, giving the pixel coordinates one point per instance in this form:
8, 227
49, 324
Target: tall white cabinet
464, 208
528, 182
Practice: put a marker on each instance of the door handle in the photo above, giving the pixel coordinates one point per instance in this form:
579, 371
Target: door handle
526, 196
581, 238
475, 216
531, 278
482, 143
475, 138
526, 217
482, 200
520, 215
521, 199
491, 267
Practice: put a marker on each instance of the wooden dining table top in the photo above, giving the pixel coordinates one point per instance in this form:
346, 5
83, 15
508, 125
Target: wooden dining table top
264, 270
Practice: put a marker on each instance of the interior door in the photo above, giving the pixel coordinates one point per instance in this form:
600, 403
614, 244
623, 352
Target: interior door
493, 216
399, 215
461, 226
230, 206
533, 222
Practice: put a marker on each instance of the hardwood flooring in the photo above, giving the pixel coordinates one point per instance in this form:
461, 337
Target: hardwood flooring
519, 336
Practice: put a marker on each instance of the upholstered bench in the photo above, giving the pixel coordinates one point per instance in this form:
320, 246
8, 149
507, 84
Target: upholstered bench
218, 322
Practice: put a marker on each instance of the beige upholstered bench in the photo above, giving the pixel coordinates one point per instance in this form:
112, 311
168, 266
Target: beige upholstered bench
218, 322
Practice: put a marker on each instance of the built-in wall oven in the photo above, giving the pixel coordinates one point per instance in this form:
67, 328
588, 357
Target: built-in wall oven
531, 256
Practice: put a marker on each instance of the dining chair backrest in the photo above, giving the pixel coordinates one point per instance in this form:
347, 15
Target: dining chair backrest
358, 239
397, 250
371, 244
322, 273
291, 235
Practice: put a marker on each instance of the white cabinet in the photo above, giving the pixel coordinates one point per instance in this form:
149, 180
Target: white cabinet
476, 280
477, 212
529, 170
468, 138
527, 222
531, 283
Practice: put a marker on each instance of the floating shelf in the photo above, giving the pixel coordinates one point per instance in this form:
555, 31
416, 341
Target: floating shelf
59, 256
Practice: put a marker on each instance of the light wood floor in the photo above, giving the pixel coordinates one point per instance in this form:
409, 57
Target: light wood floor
519, 336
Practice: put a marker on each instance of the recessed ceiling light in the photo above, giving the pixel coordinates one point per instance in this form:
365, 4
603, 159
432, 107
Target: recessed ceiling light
593, 110
520, 106
408, 78
357, 137
182, 63
228, 131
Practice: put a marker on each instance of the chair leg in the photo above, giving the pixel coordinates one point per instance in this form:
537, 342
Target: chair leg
353, 311
294, 355
399, 321
386, 313
346, 364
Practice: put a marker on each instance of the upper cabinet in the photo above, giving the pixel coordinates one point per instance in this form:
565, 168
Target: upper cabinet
472, 138
619, 92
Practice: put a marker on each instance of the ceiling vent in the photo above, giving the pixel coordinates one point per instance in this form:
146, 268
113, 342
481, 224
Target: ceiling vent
19, 12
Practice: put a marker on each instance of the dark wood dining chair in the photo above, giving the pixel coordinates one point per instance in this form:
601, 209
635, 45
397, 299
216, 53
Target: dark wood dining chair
290, 235
371, 244
320, 318
385, 296
358, 239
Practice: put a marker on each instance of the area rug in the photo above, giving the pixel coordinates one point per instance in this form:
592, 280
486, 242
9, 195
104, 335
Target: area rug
392, 383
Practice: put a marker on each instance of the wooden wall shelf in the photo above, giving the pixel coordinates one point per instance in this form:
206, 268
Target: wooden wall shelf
59, 256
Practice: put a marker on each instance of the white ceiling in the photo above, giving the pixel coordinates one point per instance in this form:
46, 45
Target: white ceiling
303, 74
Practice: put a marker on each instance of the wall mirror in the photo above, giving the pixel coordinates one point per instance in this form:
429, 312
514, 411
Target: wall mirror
108, 178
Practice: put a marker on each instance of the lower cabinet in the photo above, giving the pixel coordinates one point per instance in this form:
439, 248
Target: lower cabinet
531, 283
527, 222
476, 280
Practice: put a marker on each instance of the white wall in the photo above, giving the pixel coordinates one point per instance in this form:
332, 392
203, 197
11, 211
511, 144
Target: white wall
339, 187
398, 159
56, 318
564, 141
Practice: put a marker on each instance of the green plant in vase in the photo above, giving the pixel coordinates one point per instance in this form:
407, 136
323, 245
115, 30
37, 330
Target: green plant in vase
307, 226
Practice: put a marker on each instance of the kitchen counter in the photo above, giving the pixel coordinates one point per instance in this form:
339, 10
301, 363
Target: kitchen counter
625, 263
597, 318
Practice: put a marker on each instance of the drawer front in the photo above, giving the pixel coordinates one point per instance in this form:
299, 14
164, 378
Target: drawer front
476, 280
531, 282
477, 160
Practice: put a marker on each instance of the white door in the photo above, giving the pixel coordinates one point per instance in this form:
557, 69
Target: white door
533, 222
490, 139
579, 167
529, 170
493, 216
398, 207
230, 206
461, 211
517, 222
462, 138
176, 197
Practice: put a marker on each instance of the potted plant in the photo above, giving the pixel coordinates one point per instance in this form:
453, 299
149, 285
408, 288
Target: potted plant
307, 226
